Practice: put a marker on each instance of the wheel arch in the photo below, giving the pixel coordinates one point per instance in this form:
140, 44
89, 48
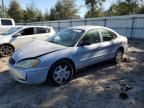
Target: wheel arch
8, 44
49, 78
66, 59
121, 48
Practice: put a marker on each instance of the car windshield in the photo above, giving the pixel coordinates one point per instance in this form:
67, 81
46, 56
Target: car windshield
12, 30
68, 37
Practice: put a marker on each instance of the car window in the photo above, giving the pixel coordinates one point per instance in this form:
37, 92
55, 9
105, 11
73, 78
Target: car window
48, 30
92, 37
67, 37
107, 35
11, 31
27, 31
41, 30
6, 22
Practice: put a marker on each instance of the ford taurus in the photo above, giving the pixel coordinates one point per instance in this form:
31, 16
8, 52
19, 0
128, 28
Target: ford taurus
58, 58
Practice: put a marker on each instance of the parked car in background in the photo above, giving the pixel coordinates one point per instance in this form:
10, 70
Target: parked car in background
21, 35
6, 24
58, 58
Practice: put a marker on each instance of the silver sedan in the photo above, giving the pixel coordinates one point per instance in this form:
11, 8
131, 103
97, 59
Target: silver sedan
57, 59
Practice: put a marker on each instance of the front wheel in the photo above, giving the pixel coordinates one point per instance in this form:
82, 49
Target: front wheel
119, 56
6, 50
60, 73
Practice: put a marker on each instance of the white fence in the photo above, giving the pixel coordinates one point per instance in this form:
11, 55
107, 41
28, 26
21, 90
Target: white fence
130, 26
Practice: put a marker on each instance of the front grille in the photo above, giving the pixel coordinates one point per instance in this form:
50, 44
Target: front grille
11, 61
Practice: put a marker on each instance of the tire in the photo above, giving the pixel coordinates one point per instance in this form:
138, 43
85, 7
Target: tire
119, 56
60, 73
6, 50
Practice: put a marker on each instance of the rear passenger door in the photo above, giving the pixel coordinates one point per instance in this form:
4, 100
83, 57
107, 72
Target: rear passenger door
42, 33
26, 36
108, 45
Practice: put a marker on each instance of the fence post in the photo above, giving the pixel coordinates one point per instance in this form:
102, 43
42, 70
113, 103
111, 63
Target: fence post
85, 21
49, 24
105, 21
59, 25
70, 23
132, 28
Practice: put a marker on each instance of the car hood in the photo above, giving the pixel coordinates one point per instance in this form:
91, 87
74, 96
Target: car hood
35, 49
3, 37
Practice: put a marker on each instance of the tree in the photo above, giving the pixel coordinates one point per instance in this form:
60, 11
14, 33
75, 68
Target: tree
95, 13
1, 13
46, 15
39, 16
94, 8
15, 11
141, 10
64, 9
126, 7
132, 6
30, 14
52, 14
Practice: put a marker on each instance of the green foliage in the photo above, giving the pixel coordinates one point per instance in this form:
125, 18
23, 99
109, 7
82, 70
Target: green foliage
15, 11
46, 15
52, 14
141, 10
1, 13
64, 9
94, 8
30, 14
127, 7
96, 13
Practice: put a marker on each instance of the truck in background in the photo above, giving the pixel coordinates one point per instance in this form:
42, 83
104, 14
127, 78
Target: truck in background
6, 24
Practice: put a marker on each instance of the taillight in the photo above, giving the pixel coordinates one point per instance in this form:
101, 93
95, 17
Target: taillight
125, 41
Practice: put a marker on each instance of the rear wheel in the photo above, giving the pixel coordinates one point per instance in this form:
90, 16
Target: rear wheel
119, 56
60, 73
6, 50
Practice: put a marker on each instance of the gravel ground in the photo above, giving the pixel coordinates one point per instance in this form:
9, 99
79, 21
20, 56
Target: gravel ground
103, 85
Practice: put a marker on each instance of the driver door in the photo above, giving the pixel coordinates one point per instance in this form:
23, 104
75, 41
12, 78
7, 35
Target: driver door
88, 51
25, 36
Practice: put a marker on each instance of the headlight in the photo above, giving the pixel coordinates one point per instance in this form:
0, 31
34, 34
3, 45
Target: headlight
28, 63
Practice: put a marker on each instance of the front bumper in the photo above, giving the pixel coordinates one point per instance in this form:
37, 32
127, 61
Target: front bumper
29, 76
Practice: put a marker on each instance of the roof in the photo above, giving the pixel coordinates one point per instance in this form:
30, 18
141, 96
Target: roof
25, 26
87, 27
6, 18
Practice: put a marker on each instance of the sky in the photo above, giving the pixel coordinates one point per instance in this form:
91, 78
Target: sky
44, 5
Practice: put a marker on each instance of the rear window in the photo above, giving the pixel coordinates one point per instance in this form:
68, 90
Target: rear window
107, 35
48, 30
6, 22
41, 30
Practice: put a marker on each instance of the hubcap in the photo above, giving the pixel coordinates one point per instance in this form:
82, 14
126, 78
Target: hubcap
61, 74
6, 50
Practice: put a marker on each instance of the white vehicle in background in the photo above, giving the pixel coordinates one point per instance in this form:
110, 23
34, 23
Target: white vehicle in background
21, 35
6, 24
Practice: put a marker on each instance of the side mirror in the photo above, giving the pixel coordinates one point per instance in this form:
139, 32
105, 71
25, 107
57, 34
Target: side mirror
17, 34
85, 43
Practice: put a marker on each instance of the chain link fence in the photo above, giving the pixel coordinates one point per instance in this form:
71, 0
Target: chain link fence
130, 26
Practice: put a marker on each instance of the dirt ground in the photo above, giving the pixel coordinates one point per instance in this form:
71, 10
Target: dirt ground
103, 85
